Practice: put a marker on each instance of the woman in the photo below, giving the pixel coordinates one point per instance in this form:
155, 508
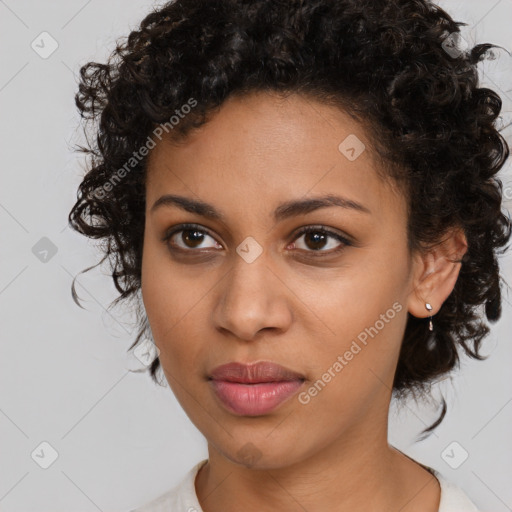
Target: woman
305, 195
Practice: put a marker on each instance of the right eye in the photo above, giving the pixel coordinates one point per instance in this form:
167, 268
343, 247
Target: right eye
191, 237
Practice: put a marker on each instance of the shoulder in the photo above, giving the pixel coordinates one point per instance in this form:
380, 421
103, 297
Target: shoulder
453, 498
181, 498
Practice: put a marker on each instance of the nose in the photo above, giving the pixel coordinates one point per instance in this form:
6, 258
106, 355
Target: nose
252, 297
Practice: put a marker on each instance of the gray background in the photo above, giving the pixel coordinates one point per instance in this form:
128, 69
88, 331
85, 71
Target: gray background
65, 374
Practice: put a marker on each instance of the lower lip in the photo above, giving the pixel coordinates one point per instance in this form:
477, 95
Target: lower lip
254, 399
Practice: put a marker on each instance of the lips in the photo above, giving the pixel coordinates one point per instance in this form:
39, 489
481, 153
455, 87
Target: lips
254, 389
255, 373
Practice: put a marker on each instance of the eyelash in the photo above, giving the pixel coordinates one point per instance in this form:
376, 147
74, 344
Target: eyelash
307, 229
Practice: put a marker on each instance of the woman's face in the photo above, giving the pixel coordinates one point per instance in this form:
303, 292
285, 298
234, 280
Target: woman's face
245, 286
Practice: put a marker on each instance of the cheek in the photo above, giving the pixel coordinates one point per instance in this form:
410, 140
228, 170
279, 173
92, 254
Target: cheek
361, 314
174, 299
352, 369
355, 296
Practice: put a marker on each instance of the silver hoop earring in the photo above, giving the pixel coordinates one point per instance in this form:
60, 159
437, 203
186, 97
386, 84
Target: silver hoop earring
429, 308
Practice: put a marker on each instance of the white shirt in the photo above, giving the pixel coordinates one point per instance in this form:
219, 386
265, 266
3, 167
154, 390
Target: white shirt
183, 498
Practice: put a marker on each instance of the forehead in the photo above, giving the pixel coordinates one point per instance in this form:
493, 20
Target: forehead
262, 149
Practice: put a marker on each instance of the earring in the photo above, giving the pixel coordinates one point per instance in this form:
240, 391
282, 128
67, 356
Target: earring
429, 308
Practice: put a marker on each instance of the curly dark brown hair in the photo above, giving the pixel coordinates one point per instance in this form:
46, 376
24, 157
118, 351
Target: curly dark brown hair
391, 64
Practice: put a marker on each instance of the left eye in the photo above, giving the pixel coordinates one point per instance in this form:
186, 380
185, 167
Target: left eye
315, 240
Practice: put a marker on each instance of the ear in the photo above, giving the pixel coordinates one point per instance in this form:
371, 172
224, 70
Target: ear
435, 272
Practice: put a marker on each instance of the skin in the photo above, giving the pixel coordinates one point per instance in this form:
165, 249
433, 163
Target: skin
289, 306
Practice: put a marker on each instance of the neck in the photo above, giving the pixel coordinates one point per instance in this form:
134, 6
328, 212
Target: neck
359, 472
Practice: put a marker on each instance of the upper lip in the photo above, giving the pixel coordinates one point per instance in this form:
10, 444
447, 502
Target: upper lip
263, 371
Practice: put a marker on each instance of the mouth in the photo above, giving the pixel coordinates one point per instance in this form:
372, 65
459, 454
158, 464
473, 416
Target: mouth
254, 389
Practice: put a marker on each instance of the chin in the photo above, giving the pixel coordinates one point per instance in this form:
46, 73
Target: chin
261, 455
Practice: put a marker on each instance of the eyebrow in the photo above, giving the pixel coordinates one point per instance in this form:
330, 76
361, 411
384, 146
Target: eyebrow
283, 211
